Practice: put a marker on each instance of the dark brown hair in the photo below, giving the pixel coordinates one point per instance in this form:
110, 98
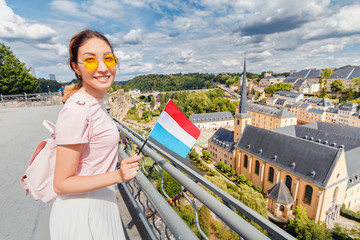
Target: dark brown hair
75, 43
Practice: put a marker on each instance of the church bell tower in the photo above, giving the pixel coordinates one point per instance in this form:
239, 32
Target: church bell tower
241, 118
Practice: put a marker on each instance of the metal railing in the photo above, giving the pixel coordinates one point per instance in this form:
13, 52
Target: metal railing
157, 215
30, 99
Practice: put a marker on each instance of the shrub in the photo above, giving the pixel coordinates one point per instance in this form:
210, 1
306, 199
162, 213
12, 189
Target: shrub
258, 188
241, 178
205, 219
193, 154
349, 214
172, 187
227, 168
221, 165
249, 183
206, 154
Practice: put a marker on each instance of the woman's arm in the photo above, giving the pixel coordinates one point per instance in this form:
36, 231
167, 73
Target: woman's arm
66, 181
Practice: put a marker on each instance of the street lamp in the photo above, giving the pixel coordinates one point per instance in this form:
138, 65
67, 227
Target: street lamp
48, 88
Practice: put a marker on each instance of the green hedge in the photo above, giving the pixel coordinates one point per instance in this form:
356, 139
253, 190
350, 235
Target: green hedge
349, 214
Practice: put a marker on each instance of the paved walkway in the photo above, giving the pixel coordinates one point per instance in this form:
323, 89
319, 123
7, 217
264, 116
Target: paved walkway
20, 131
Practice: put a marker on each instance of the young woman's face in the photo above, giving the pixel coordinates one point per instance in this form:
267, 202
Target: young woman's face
95, 81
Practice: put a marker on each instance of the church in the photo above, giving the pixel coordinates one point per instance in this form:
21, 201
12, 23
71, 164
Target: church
315, 165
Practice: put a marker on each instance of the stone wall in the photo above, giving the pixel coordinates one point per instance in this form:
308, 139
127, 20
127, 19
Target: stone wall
55, 100
120, 103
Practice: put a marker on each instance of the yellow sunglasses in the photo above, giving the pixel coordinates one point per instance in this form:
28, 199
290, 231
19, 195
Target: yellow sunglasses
91, 62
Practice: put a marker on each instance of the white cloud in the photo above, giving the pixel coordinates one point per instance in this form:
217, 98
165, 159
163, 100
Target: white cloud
122, 56
128, 68
14, 27
110, 9
89, 10
160, 36
345, 21
70, 8
230, 63
133, 37
60, 49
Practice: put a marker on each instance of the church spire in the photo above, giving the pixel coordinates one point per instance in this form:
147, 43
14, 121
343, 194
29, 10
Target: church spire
243, 98
241, 118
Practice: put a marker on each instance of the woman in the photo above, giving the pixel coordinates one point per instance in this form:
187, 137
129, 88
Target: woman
87, 148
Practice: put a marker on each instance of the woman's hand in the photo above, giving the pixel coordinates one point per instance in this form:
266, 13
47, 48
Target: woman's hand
129, 168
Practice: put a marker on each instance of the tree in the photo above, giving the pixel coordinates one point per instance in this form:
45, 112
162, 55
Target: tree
230, 81
322, 93
197, 102
54, 86
341, 233
303, 227
277, 87
349, 94
356, 83
221, 165
241, 178
14, 76
206, 155
227, 168
193, 154
337, 86
324, 75
172, 187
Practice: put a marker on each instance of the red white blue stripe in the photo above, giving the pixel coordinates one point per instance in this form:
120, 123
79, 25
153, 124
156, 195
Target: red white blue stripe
175, 131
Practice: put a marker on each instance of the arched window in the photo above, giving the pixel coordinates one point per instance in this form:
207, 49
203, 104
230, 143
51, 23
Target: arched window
336, 192
282, 208
257, 167
288, 182
271, 175
238, 121
245, 161
308, 194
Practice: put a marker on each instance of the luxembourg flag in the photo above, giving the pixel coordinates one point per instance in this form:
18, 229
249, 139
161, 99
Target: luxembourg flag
174, 131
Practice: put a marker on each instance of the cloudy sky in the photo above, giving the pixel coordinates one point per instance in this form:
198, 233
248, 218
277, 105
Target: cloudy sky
172, 36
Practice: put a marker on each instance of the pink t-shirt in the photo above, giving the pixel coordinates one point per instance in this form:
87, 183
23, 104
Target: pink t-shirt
100, 152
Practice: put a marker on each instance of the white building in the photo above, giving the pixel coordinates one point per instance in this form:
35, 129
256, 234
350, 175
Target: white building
309, 87
331, 115
213, 121
345, 111
291, 97
270, 80
135, 91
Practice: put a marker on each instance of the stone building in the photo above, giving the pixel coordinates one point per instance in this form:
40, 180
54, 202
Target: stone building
270, 80
213, 121
315, 161
345, 111
291, 97
221, 146
355, 120
270, 117
345, 75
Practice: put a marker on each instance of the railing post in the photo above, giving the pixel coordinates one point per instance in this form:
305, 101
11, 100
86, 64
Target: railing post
2, 100
26, 100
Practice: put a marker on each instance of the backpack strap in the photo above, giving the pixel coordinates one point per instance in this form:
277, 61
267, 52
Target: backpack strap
49, 126
90, 117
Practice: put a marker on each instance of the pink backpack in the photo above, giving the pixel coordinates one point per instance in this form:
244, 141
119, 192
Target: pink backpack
39, 176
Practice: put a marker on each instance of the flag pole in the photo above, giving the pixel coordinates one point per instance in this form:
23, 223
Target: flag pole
138, 153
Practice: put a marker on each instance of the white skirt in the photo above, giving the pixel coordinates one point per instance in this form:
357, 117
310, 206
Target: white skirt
93, 215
